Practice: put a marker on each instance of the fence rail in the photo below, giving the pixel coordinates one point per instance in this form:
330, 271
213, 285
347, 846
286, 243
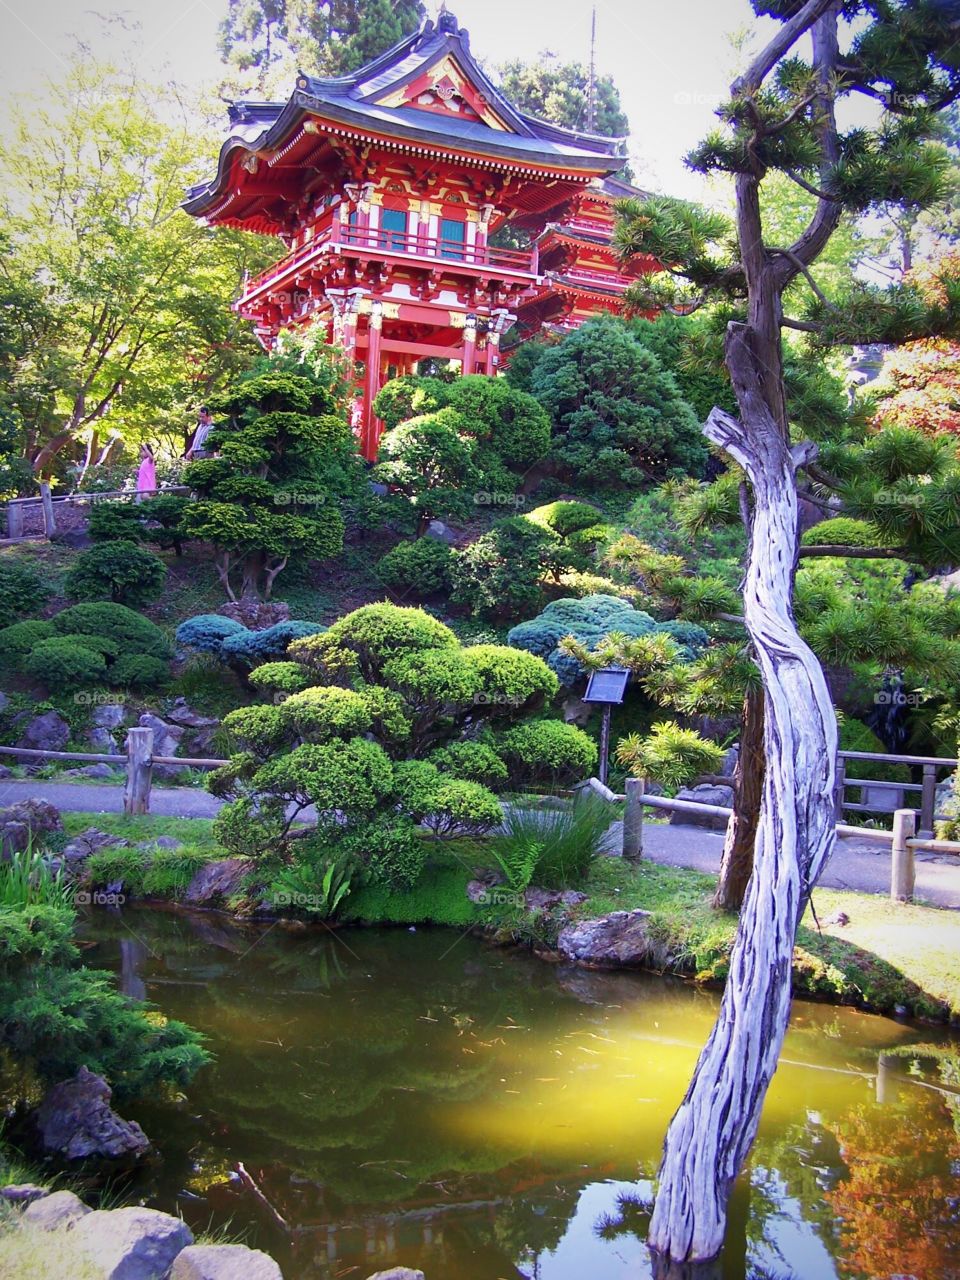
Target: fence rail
18, 508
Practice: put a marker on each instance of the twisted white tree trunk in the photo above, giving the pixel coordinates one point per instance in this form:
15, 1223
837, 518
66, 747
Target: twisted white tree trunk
712, 1132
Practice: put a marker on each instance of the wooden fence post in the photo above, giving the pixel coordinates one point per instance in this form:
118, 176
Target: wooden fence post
49, 524
928, 797
14, 519
136, 793
633, 821
903, 866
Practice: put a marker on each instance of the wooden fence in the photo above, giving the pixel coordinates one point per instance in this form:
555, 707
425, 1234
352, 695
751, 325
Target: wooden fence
903, 839
18, 509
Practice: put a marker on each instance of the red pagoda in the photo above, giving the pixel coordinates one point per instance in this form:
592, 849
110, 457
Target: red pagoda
387, 185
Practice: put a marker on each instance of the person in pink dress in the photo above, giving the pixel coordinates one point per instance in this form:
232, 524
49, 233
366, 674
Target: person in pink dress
147, 474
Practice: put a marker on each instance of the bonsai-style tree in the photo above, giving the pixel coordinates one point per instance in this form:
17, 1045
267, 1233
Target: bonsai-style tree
782, 117
272, 492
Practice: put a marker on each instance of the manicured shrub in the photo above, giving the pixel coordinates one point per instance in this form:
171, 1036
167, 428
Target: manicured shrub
419, 569
373, 635
280, 678
260, 727
246, 649
65, 663
22, 592
392, 851
325, 712
434, 682
430, 461
462, 809
206, 632
472, 762
588, 620
564, 518
548, 750
510, 679
348, 777
119, 571
18, 640
618, 415
843, 531
131, 630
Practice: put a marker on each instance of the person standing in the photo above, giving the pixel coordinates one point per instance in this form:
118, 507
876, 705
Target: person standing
147, 473
197, 446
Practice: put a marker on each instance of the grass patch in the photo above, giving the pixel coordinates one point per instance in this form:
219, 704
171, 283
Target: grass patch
150, 873
889, 954
137, 828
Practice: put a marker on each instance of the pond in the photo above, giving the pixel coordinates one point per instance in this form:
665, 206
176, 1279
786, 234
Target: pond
420, 1099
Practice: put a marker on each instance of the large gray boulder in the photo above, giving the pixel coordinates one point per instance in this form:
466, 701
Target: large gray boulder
56, 1211
705, 794
90, 841
183, 714
618, 941
26, 821
102, 742
131, 1244
75, 1121
224, 1262
47, 732
109, 715
216, 881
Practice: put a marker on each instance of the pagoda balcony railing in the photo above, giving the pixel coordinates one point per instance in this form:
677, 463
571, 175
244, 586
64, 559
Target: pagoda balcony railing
610, 280
331, 236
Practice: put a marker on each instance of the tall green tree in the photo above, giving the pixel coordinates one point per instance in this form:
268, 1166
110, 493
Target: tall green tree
121, 318
264, 40
556, 91
783, 117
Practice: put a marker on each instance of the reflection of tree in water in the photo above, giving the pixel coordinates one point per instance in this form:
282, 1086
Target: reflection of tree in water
898, 1203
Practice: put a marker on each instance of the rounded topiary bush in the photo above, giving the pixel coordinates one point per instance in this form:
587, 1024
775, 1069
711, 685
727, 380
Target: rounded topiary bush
64, 662
246, 649
280, 678
471, 762
131, 630
548, 750
138, 669
120, 571
392, 851
22, 592
325, 712
419, 569
18, 640
206, 632
564, 518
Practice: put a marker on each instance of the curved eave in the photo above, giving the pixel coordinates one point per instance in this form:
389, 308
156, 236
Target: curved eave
473, 145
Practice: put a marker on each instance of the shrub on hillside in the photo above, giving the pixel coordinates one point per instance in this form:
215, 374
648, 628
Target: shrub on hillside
206, 632
233, 643
65, 662
418, 569
588, 620
618, 415
158, 520
122, 572
88, 644
392, 851
501, 574
472, 761
22, 592
280, 678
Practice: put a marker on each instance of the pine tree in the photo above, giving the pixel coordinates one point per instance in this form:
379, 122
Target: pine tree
782, 117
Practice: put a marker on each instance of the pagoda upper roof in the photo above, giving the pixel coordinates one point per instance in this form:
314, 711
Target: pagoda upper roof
427, 91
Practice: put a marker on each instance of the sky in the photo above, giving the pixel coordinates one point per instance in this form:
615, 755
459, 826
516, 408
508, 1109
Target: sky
672, 62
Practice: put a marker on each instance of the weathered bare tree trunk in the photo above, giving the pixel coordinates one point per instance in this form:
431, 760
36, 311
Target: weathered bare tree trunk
716, 1124
736, 865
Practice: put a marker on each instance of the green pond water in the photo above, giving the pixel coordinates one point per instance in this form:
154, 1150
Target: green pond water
419, 1099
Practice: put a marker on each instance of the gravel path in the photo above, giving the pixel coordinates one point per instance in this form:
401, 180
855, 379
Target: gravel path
856, 864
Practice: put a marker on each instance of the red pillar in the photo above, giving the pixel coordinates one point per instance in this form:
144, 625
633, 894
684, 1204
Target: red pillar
470, 345
492, 353
371, 426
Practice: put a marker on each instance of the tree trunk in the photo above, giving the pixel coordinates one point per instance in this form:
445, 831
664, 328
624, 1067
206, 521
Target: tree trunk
711, 1133
736, 865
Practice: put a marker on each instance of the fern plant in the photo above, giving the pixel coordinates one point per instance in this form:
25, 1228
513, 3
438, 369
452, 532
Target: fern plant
318, 885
